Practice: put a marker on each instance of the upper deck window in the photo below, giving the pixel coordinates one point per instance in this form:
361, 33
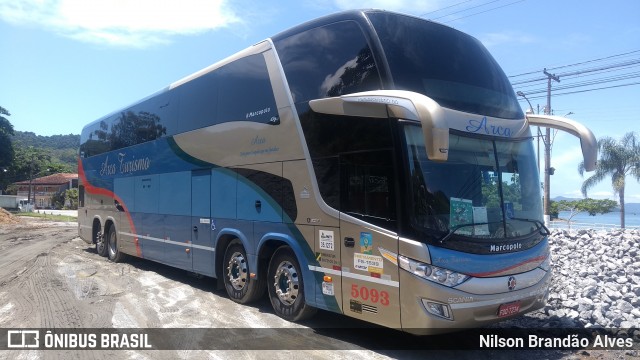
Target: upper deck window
328, 61
452, 68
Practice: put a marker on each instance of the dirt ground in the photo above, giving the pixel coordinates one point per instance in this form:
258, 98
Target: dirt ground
50, 278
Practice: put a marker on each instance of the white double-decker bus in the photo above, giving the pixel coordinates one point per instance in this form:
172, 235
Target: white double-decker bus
367, 163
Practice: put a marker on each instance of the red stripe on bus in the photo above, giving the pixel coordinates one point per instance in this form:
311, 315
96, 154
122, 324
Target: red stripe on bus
104, 192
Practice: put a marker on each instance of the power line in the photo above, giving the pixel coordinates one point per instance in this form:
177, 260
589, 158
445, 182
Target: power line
445, 8
584, 71
578, 63
608, 72
482, 12
587, 90
467, 9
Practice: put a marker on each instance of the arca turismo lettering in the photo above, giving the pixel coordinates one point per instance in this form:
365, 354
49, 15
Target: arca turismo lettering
125, 165
483, 127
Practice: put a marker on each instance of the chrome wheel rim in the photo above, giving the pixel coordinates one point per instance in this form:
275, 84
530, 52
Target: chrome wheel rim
237, 271
112, 243
286, 283
100, 245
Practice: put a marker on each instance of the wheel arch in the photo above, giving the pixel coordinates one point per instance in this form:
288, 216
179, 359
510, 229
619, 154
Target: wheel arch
271, 242
108, 224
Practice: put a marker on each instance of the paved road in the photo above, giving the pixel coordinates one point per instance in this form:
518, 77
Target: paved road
73, 213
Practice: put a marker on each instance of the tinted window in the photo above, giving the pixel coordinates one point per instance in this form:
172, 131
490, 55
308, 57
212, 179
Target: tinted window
143, 122
198, 102
245, 92
239, 91
447, 65
353, 162
95, 137
328, 61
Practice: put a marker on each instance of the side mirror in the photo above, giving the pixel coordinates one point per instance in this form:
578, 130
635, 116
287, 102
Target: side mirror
588, 141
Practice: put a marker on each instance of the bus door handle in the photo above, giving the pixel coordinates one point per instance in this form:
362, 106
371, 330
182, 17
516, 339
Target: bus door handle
349, 242
195, 228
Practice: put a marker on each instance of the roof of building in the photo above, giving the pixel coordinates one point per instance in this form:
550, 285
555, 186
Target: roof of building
54, 179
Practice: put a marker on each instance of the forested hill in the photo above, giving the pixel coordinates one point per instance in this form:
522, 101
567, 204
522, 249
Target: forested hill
62, 148
26, 139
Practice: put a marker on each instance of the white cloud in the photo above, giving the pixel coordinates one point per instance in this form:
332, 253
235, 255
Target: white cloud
137, 23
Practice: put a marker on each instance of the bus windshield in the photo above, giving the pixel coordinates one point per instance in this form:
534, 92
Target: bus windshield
488, 188
451, 67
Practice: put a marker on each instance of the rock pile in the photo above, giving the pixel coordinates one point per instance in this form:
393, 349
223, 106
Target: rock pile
597, 277
596, 281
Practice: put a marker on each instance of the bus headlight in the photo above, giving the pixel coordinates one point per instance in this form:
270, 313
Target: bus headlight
432, 273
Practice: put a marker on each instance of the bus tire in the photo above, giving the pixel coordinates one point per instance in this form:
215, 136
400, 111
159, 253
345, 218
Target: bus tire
101, 244
114, 253
236, 274
286, 286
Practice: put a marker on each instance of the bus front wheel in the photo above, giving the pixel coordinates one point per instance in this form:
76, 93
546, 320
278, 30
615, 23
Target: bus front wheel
238, 283
286, 286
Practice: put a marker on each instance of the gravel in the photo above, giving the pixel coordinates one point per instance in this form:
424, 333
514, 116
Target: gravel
595, 284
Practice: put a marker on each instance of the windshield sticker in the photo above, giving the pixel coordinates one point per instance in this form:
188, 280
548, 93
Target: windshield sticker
508, 209
369, 263
366, 243
480, 216
326, 240
461, 214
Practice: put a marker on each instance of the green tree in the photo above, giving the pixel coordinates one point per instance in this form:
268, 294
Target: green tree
71, 196
31, 162
617, 159
574, 207
58, 200
6, 147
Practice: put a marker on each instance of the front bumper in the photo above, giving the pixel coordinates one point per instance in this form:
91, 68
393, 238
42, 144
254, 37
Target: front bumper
466, 310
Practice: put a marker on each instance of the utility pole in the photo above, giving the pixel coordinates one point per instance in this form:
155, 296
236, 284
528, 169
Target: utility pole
547, 148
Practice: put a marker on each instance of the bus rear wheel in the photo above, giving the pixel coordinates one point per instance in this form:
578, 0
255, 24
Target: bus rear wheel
112, 244
286, 286
101, 244
238, 283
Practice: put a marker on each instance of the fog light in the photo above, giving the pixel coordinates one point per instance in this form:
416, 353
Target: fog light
437, 309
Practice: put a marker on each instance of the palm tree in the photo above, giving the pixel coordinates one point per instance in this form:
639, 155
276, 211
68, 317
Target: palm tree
617, 159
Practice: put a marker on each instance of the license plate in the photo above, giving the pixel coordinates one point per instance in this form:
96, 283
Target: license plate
509, 309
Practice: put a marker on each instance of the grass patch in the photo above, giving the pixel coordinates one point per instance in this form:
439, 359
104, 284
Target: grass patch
63, 218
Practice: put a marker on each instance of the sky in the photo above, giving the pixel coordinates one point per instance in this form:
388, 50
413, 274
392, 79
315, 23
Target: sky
65, 63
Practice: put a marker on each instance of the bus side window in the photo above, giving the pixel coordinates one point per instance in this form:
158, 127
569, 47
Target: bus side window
331, 60
368, 187
353, 162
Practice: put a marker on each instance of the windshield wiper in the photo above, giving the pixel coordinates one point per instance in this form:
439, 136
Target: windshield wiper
539, 224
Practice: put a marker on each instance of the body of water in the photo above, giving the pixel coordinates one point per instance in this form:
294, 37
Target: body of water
632, 219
